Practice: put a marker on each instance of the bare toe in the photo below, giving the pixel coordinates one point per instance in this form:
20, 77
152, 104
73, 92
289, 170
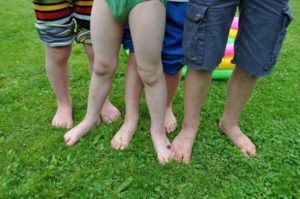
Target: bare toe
71, 142
63, 117
166, 159
251, 150
123, 147
76, 133
178, 157
69, 125
122, 138
183, 143
186, 159
66, 138
162, 147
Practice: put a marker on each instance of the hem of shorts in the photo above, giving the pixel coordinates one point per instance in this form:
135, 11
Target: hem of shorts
53, 45
173, 72
194, 66
243, 66
130, 50
86, 41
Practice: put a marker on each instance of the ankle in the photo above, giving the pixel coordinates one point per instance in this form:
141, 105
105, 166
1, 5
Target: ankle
106, 102
91, 121
190, 125
158, 134
64, 103
129, 126
132, 117
227, 122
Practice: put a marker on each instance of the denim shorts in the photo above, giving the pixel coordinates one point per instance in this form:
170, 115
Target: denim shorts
262, 29
172, 52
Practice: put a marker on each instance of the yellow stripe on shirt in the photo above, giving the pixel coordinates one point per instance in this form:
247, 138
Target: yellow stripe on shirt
83, 3
51, 7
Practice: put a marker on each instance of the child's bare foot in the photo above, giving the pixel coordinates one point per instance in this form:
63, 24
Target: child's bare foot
63, 116
170, 121
76, 133
123, 137
109, 112
182, 145
162, 147
238, 137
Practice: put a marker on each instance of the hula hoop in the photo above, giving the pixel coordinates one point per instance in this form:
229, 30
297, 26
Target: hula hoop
217, 74
226, 63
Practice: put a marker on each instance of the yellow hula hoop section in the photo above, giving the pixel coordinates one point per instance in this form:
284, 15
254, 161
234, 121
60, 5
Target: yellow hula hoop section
226, 63
233, 33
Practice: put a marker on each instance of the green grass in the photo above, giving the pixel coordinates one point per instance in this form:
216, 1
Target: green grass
35, 163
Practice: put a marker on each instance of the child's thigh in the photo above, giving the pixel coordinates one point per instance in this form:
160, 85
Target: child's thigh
106, 32
147, 25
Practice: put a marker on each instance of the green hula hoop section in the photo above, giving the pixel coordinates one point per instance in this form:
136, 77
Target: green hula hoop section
222, 74
217, 74
230, 40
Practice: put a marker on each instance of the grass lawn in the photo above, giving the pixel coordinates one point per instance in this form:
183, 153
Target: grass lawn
35, 162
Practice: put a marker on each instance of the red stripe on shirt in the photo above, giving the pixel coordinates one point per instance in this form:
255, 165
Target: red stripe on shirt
83, 10
47, 16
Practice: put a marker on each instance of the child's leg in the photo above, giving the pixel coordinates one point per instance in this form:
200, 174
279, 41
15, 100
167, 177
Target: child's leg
57, 70
109, 113
204, 39
172, 55
88, 48
145, 18
106, 35
170, 119
133, 90
250, 56
55, 29
134, 87
240, 87
196, 88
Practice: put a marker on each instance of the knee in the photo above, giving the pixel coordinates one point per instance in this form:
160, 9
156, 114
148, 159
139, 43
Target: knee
105, 67
150, 75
